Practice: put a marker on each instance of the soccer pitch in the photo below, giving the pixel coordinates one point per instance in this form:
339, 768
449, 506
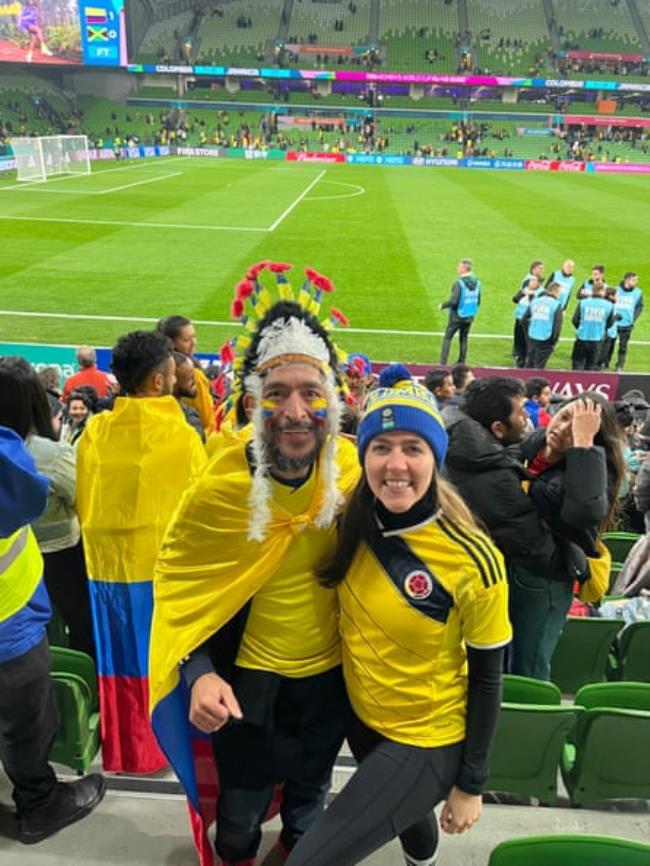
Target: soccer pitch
85, 258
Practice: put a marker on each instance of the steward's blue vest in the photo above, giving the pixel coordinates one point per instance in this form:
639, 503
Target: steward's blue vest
542, 317
587, 288
567, 283
522, 306
612, 332
626, 303
594, 313
469, 299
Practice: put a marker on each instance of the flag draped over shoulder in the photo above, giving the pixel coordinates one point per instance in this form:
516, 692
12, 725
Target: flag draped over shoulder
206, 572
133, 466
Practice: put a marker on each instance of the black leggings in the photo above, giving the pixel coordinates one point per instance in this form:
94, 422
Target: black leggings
392, 793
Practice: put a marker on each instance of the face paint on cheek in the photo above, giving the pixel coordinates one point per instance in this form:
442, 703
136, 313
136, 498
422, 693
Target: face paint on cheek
319, 410
268, 409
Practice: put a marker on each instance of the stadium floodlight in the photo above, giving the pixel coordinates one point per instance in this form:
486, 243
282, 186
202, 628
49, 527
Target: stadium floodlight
39, 157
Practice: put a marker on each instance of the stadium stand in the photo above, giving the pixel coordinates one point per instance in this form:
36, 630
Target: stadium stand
162, 38
596, 25
509, 39
408, 32
221, 40
318, 20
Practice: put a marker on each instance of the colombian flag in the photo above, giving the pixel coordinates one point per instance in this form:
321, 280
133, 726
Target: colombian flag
124, 508
206, 573
94, 15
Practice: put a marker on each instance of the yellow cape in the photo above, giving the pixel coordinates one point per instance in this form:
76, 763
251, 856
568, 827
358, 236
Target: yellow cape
208, 569
203, 402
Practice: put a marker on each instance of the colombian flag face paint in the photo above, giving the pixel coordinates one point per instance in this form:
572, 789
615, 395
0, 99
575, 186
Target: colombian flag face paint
319, 409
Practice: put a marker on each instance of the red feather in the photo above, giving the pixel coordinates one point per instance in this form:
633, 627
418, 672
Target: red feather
323, 283
226, 353
311, 274
244, 289
340, 318
279, 267
237, 308
254, 270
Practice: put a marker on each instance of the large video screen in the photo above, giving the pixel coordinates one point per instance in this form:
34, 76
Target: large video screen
68, 32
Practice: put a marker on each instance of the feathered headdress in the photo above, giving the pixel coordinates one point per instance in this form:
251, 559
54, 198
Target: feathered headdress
284, 330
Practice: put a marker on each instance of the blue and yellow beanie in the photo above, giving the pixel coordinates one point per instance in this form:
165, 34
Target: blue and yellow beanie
400, 404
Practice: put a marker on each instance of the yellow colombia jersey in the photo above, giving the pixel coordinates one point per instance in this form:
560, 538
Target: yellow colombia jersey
292, 627
407, 609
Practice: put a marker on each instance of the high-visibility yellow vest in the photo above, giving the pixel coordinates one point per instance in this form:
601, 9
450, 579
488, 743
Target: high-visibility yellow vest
21, 569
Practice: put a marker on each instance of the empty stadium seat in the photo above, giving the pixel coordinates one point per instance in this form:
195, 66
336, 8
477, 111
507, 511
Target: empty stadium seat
75, 689
526, 690
621, 696
527, 748
609, 758
570, 851
632, 653
619, 544
581, 655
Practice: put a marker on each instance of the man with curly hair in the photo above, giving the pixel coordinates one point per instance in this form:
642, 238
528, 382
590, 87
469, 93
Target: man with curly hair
133, 465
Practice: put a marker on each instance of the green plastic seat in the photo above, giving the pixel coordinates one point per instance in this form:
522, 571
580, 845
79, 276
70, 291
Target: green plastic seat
619, 544
526, 690
570, 851
621, 696
582, 653
633, 653
609, 758
527, 749
75, 689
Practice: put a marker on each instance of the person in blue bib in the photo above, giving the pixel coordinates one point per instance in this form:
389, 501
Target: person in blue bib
564, 276
423, 599
463, 305
597, 278
607, 347
543, 322
629, 306
592, 318
522, 299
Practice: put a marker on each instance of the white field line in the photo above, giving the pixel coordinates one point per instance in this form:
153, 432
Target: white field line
359, 190
125, 223
138, 183
296, 201
26, 184
231, 324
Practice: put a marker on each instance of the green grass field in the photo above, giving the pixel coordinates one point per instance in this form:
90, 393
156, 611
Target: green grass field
150, 238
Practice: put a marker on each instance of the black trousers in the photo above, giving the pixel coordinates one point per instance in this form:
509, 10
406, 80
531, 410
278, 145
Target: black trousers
28, 725
624, 335
586, 354
67, 585
462, 326
539, 351
393, 793
606, 352
294, 732
519, 344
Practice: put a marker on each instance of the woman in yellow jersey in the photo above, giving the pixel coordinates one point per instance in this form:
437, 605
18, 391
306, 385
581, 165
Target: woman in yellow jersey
424, 623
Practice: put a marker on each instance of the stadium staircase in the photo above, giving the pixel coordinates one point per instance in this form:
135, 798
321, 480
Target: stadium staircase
577, 18
636, 17
285, 18
373, 23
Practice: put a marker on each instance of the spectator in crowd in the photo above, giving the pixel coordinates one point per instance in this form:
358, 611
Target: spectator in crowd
629, 306
260, 641
440, 383
463, 305
186, 387
592, 318
358, 374
576, 464
597, 278
88, 374
642, 491
538, 397
461, 376
182, 334
542, 320
133, 465
28, 714
424, 620
78, 413
522, 299
564, 276
57, 528
50, 378
489, 476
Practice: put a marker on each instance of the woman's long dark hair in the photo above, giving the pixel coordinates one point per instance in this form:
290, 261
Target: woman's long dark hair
24, 407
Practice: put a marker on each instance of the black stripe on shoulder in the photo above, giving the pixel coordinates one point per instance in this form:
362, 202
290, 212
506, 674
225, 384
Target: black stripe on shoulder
482, 544
451, 532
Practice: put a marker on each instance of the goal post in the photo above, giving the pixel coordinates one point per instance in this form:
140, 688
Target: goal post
39, 157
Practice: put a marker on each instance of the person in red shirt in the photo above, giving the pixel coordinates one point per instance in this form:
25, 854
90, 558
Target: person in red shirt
88, 374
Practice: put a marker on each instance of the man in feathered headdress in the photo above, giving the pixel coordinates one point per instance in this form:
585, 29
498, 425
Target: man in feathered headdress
245, 659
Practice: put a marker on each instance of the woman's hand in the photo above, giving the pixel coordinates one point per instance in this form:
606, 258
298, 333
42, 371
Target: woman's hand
460, 811
585, 422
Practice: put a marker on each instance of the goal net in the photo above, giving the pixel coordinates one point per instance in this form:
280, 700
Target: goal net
39, 157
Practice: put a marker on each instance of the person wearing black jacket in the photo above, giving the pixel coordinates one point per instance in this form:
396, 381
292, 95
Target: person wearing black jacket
576, 464
489, 475
463, 305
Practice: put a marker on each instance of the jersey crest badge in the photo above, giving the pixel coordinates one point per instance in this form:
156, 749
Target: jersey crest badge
418, 584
